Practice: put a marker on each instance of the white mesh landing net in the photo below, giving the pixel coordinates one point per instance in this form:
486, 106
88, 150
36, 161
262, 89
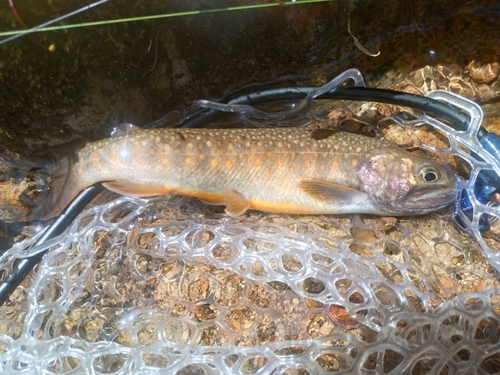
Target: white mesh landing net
170, 285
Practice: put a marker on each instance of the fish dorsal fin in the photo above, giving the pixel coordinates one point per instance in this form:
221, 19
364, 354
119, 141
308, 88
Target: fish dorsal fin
236, 204
124, 129
329, 191
135, 189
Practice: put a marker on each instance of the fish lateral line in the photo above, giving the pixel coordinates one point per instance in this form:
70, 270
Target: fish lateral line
267, 152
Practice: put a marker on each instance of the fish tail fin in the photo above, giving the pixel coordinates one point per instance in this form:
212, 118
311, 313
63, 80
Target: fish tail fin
58, 164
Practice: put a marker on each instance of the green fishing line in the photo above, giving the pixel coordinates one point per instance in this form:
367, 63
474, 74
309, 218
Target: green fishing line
157, 16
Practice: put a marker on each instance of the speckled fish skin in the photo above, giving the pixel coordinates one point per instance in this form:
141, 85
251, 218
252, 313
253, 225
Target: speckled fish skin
294, 171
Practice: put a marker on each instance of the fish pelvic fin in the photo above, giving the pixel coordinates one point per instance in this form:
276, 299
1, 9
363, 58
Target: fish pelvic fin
236, 204
328, 191
58, 163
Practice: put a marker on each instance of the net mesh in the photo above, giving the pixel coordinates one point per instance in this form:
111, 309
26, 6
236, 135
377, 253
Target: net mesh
173, 285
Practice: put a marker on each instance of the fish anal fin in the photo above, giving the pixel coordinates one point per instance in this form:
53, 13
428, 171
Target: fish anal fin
236, 204
136, 189
329, 191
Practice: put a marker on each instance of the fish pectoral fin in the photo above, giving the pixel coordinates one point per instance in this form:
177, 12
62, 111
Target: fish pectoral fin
236, 204
328, 191
135, 189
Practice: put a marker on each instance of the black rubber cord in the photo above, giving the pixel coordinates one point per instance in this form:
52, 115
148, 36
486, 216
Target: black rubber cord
445, 111
23, 266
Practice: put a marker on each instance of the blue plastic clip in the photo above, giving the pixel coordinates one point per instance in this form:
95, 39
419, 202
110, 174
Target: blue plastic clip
467, 208
487, 183
491, 143
489, 179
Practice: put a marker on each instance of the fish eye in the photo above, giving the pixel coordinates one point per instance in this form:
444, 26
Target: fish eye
429, 174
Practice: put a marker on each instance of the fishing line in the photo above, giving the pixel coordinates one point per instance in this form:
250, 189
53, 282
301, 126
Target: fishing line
42, 27
21, 22
45, 27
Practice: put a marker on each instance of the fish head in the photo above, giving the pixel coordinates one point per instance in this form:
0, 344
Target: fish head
404, 183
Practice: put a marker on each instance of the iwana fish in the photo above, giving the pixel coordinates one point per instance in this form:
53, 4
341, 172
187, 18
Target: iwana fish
294, 171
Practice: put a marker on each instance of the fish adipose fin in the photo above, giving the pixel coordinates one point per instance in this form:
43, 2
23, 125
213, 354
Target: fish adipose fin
236, 204
135, 189
328, 191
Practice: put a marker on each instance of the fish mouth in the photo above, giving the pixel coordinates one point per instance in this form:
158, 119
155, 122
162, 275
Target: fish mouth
421, 200
435, 196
